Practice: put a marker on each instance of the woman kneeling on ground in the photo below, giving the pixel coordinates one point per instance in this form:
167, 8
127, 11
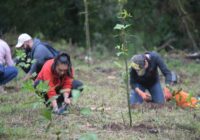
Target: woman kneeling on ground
58, 72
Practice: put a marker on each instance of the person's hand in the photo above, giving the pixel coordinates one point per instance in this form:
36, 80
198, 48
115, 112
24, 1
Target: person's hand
54, 105
167, 94
55, 110
61, 110
27, 77
145, 96
67, 100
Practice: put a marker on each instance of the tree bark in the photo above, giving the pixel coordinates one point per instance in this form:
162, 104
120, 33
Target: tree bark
181, 12
87, 29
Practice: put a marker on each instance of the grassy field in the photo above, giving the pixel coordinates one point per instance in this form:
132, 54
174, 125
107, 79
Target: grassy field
104, 93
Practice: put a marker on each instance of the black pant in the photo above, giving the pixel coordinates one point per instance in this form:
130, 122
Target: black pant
76, 84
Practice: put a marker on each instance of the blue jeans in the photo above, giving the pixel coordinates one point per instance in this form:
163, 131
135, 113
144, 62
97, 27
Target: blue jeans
10, 72
155, 91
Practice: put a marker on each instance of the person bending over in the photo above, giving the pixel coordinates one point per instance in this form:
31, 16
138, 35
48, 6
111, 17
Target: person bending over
7, 69
144, 76
59, 74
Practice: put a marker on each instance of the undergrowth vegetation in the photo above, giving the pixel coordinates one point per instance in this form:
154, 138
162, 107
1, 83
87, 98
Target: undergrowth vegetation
101, 110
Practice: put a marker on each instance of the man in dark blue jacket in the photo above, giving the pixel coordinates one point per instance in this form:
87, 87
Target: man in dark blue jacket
144, 76
35, 50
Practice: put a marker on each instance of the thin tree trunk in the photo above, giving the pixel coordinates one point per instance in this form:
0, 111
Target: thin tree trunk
181, 11
87, 30
128, 94
124, 41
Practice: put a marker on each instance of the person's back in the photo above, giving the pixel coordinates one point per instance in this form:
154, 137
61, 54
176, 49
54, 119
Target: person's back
41, 54
5, 54
151, 73
7, 70
36, 51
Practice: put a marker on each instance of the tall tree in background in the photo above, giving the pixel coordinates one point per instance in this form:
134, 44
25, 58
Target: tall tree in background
87, 30
187, 21
155, 21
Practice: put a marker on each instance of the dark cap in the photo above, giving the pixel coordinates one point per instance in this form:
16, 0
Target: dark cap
138, 59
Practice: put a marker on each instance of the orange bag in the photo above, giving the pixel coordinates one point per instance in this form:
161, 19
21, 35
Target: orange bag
181, 97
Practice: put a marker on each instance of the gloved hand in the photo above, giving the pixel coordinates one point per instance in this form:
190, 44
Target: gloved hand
167, 94
145, 96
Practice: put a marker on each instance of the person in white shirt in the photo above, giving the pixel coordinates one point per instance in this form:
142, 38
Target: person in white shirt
7, 69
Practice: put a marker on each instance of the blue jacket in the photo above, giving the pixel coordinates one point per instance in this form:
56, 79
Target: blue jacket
151, 75
40, 53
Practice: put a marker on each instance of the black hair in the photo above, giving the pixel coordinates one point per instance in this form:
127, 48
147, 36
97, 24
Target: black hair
63, 58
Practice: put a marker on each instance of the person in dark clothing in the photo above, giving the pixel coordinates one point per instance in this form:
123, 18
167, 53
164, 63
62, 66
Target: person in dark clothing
35, 50
144, 76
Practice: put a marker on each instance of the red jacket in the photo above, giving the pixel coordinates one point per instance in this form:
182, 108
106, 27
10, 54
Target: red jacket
46, 74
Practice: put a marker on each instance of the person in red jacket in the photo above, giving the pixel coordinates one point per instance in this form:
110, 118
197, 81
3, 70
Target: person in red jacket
58, 73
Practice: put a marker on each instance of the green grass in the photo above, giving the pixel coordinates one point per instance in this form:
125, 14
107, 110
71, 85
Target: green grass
104, 93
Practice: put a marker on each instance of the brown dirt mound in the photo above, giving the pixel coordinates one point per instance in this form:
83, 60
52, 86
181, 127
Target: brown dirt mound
4, 137
145, 128
11, 89
153, 106
142, 127
114, 127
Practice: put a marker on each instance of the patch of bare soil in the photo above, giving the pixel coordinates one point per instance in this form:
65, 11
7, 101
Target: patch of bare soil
153, 106
142, 127
4, 137
150, 105
186, 127
103, 70
114, 127
147, 128
109, 71
11, 89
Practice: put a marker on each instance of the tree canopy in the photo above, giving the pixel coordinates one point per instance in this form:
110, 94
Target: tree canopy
153, 22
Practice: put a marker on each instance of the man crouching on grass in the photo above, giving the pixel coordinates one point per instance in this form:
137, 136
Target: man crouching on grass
58, 73
144, 76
